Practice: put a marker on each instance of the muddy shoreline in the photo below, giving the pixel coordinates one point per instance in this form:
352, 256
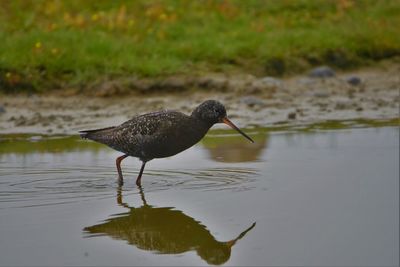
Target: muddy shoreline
368, 93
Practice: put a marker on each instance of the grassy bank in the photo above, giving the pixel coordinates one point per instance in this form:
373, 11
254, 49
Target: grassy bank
59, 44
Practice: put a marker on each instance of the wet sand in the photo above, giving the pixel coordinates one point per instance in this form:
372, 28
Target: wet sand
369, 93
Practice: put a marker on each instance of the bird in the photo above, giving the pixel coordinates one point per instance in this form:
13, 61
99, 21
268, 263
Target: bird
160, 134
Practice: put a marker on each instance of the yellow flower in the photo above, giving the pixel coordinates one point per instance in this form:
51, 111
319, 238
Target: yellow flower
95, 17
38, 45
54, 51
8, 75
131, 22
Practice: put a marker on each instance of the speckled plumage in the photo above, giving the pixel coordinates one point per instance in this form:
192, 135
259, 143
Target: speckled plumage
160, 134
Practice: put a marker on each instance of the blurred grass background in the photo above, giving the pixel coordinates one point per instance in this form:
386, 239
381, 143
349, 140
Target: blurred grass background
76, 41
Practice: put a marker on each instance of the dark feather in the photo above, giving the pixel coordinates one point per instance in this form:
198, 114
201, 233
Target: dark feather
89, 134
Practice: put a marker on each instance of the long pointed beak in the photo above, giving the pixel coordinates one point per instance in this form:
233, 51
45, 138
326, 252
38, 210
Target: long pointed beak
228, 122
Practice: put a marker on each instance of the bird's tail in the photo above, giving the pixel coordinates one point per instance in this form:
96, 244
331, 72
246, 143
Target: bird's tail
95, 134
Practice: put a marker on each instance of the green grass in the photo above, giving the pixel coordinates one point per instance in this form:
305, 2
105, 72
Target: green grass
63, 43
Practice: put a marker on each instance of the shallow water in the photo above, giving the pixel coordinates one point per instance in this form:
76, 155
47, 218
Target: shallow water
326, 197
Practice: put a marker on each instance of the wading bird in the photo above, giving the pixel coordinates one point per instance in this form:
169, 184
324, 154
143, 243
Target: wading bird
160, 134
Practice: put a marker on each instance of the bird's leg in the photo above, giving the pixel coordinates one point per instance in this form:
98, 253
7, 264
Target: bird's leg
118, 162
142, 195
140, 174
119, 198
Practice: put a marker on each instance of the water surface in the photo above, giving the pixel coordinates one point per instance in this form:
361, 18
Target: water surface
293, 198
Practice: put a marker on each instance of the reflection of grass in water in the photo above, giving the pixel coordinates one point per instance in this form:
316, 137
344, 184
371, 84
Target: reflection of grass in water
25, 143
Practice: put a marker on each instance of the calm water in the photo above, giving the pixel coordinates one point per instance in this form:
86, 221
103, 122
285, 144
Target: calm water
293, 198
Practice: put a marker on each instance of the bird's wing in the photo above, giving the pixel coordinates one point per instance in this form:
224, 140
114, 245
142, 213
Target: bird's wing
150, 123
133, 134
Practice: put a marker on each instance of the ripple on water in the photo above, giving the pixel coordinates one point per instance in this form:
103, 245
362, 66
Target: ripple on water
23, 187
235, 179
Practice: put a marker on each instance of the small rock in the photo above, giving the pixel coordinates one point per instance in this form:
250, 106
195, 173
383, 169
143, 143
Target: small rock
292, 116
93, 107
271, 82
52, 117
322, 72
2, 109
341, 105
20, 121
321, 94
381, 102
67, 117
252, 101
353, 80
265, 84
300, 111
306, 81
351, 93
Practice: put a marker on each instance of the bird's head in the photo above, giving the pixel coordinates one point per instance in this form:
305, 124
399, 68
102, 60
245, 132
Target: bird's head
212, 112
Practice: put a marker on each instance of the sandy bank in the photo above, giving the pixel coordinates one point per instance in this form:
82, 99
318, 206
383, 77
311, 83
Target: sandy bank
372, 93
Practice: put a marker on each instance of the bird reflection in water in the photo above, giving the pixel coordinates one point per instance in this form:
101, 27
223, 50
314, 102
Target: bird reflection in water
231, 148
164, 230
